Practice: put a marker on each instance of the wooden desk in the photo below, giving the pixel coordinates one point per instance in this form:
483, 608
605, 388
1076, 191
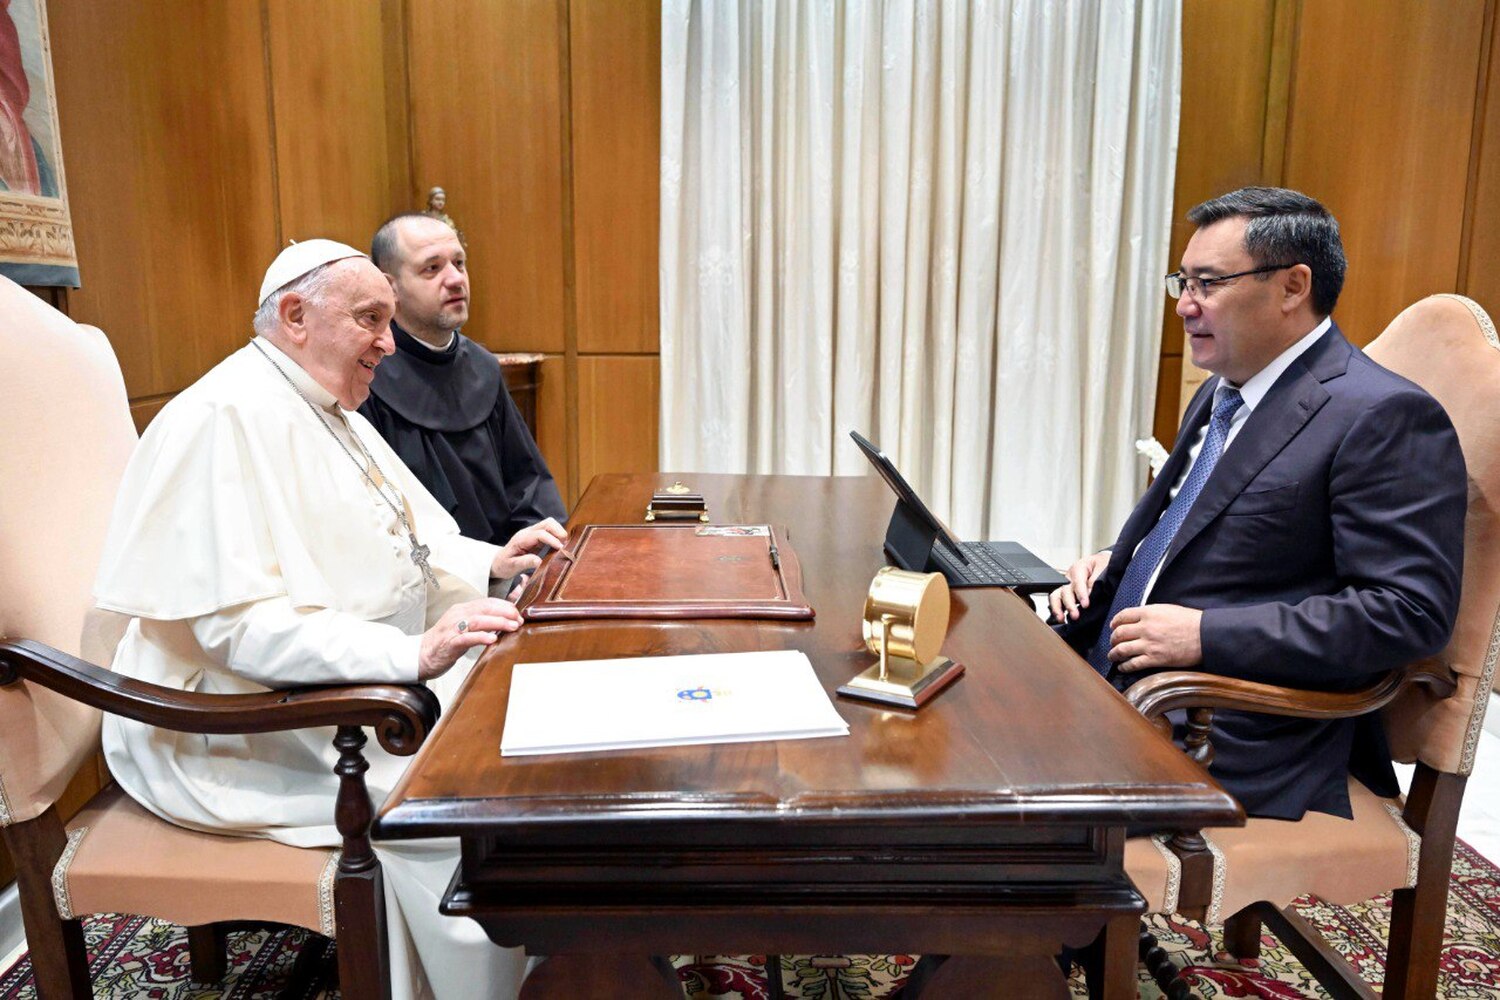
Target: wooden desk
990, 825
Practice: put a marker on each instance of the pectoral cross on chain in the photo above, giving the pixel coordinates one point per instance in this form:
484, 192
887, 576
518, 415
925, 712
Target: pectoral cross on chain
419, 554
370, 469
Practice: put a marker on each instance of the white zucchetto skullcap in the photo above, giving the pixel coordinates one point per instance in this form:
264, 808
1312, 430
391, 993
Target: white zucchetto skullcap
299, 258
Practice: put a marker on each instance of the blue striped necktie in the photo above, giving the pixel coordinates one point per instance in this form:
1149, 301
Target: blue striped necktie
1150, 552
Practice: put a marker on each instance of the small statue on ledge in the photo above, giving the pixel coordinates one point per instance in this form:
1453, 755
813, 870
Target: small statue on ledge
437, 201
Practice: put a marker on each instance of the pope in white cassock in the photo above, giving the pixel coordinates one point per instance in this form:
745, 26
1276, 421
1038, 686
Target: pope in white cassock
266, 537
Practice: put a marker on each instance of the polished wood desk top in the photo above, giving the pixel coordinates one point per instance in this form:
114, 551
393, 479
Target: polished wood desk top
1028, 736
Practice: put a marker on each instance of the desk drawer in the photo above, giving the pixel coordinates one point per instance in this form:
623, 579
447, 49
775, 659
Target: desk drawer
831, 859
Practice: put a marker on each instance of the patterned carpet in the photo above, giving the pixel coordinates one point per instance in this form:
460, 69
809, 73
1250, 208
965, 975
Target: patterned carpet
133, 957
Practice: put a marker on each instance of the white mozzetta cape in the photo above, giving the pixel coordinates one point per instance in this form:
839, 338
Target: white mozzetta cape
251, 554
236, 494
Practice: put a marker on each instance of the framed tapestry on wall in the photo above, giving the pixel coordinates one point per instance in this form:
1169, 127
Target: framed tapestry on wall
36, 232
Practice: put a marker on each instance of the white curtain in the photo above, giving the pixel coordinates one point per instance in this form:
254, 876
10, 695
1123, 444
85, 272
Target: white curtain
943, 224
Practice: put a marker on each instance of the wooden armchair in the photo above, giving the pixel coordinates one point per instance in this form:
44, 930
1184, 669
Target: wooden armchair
68, 435
1432, 713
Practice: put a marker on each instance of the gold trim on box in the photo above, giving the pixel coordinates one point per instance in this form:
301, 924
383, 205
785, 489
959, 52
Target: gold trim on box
693, 506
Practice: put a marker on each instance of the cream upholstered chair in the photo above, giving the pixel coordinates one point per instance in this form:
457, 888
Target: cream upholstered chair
68, 434
1433, 712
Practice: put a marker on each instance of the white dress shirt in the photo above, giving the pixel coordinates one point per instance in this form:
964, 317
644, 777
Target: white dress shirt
1252, 392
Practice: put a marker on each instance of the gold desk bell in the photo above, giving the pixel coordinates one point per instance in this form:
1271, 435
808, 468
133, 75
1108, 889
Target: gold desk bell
905, 622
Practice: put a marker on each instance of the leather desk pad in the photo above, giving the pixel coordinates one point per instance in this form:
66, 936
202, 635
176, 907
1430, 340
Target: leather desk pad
668, 571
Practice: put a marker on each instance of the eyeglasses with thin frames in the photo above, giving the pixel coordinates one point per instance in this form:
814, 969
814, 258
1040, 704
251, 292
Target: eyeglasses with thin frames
1199, 287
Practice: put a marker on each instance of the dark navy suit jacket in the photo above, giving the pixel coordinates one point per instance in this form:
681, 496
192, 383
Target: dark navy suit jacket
1325, 549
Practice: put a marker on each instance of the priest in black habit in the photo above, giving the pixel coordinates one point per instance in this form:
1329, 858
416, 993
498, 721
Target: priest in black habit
441, 401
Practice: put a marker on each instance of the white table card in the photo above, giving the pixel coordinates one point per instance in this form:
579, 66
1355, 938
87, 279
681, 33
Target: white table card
621, 704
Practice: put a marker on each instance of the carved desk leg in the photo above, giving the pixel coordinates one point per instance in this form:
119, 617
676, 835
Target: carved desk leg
1121, 940
1109, 963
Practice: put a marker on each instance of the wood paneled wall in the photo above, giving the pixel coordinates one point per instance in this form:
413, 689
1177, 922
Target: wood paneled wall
199, 137
616, 149
203, 134
167, 140
1386, 112
333, 168
1479, 261
486, 96
540, 119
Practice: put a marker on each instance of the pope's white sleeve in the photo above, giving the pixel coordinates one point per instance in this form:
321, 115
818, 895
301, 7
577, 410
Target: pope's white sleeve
272, 643
469, 559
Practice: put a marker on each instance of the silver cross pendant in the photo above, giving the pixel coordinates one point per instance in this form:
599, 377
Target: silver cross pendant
419, 554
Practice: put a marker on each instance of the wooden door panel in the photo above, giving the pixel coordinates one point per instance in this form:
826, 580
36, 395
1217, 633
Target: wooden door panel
485, 81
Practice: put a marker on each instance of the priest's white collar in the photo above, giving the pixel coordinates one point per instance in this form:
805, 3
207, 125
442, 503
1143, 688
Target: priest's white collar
310, 386
452, 336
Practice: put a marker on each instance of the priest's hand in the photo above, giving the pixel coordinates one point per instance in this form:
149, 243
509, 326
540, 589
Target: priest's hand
520, 554
1156, 635
462, 627
1069, 600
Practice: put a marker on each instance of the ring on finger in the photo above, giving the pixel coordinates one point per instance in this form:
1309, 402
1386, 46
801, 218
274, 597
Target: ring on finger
463, 624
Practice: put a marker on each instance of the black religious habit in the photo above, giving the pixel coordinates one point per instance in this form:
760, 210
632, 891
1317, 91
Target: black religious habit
451, 419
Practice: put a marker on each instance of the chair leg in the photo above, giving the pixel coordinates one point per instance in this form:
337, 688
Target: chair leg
305, 971
59, 961
363, 952
1418, 914
207, 944
1416, 941
1242, 935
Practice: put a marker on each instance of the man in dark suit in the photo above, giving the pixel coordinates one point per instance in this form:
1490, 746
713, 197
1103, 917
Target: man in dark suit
1307, 529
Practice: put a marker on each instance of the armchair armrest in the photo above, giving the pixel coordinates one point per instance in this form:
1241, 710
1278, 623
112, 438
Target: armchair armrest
1158, 694
1201, 693
401, 715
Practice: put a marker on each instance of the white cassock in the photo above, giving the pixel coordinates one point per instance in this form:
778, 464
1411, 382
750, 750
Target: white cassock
251, 553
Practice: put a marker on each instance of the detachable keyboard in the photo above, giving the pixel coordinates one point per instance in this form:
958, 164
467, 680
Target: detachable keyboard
984, 567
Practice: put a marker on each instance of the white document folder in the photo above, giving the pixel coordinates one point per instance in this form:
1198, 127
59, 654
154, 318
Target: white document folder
660, 701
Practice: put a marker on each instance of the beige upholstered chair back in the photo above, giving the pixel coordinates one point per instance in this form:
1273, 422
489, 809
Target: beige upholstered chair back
1447, 345
66, 432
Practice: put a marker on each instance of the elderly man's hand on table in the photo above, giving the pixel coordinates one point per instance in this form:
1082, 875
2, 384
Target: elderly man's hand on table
521, 553
462, 627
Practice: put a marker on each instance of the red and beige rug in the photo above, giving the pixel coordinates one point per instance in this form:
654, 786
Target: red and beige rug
135, 957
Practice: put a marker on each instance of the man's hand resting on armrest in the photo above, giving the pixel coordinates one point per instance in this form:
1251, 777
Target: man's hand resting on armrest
1069, 600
